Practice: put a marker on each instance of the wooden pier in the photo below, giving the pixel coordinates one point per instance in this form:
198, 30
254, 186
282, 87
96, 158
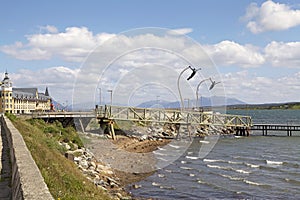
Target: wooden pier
276, 127
183, 117
190, 118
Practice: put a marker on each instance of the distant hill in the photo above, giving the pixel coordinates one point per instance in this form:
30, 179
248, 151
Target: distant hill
288, 105
205, 101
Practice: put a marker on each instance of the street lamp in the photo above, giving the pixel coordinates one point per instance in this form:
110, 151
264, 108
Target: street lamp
213, 84
111, 98
194, 70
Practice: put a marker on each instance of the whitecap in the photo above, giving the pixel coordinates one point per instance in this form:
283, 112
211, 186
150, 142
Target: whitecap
252, 165
155, 184
216, 167
251, 182
204, 141
189, 153
161, 149
270, 162
237, 136
174, 146
161, 175
192, 175
210, 160
166, 187
242, 171
183, 162
192, 157
186, 168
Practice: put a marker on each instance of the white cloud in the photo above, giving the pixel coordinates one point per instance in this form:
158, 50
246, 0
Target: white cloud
283, 54
49, 29
74, 44
181, 31
59, 80
260, 89
232, 53
271, 16
118, 56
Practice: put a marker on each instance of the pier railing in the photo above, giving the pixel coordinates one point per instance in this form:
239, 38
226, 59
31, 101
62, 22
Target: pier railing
144, 115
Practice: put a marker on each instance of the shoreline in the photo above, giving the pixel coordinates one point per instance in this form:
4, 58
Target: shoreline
105, 174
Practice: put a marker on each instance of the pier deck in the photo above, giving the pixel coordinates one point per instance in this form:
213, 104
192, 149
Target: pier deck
276, 127
188, 117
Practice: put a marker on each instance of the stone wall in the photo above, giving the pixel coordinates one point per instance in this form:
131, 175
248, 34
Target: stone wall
27, 182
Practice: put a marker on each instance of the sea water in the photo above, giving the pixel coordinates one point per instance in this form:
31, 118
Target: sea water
255, 167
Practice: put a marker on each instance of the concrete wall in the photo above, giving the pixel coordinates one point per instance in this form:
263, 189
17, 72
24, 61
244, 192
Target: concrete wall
27, 181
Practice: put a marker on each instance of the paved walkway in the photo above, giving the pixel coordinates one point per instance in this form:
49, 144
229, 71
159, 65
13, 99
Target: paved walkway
5, 169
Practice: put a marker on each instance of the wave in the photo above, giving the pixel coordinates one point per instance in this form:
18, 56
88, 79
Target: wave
251, 182
270, 162
186, 168
155, 184
161, 175
167, 187
201, 182
174, 146
210, 160
161, 149
252, 165
241, 171
237, 136
204, 141
217, 167
232, 178
192, 157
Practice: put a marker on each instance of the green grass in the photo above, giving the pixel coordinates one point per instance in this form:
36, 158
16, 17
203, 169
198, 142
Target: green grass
62, 176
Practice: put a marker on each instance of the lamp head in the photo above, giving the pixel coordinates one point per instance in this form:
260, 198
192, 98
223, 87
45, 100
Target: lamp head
194, 70
213, 84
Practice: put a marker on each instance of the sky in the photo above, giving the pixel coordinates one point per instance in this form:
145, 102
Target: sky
254, 47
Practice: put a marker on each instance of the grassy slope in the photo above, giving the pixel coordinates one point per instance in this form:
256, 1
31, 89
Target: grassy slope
63, 178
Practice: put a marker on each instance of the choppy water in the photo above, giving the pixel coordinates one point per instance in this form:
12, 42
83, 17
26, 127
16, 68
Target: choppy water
255, 167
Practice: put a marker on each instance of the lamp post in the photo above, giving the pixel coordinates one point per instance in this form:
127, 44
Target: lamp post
194, 70
213, 84
111, 98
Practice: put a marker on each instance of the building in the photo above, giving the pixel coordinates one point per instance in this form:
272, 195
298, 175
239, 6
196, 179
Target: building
22, 100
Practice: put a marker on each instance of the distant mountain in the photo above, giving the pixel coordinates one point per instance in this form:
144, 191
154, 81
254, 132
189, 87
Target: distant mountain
204, 101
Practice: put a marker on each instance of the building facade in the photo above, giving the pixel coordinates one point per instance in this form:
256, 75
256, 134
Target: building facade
22, 100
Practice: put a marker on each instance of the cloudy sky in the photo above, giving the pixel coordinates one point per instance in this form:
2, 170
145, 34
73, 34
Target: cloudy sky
254, 45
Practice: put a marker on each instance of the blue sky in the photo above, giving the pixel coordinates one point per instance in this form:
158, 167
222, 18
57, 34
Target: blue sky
255, 44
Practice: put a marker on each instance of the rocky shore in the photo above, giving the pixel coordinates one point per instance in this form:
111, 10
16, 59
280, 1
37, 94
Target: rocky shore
113, 165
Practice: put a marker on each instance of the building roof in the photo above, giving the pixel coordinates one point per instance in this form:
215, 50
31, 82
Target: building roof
28, 93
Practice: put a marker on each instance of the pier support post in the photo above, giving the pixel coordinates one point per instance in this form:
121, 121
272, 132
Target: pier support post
248, 131
81, 124
112, 130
